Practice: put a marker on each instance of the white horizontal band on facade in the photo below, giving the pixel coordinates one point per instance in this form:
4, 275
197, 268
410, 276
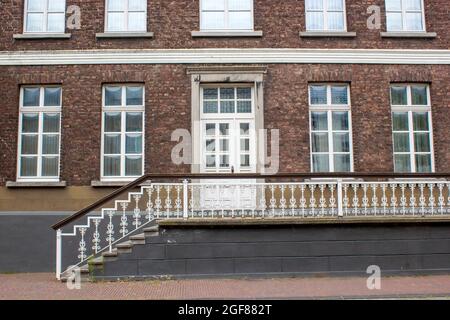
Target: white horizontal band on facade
217, 56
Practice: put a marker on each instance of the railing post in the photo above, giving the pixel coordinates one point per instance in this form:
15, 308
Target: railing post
58, 254
185, 199
340, 199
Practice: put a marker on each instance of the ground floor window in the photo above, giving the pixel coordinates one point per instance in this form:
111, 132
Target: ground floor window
123, 131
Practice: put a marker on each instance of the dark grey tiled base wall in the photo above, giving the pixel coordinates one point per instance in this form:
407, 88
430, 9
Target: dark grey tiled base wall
300, 250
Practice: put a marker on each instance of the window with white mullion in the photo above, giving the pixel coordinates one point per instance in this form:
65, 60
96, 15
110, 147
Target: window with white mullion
126, 15
226, 15
405, 15
325, 15
44, 16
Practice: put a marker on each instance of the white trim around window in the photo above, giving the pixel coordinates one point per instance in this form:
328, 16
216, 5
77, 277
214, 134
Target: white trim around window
326, 109
398, 9
319, 15
220, 15
125, 131
44, 16
126, 15
39, 139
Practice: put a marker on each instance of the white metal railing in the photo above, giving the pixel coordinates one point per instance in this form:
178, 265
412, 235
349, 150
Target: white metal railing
334, 199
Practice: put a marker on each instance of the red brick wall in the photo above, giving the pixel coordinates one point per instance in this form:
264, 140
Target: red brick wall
168, 107
172, 22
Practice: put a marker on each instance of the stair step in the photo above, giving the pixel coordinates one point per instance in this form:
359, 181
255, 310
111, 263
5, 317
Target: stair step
151, 231
125, 245
96, 261
140, 236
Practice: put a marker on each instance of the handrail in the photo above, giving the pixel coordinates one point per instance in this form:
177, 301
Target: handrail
153, 176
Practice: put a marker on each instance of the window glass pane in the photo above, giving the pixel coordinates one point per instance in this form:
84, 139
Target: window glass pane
133, 166
393, 5
419, 95
245, 145
210, 94
224, 129
213, 5
422, 142
318, 94
314, 4
340, 121
211, 145
414, 21
244, 93
402, 163
342, 163
400, 121
226, 93
398, 95
137, 21
224, 145
28, 166
31, 97
55, 22
52, 97
401, 142
113, 96
227, 107
111, 166
341, 142
394, 22
116, 21
210, 161
339, 95
35, 22
56, 6
244, 128
51, 122
335, 5
36, 5
245, 160
420, 120
116, 5
314, 21
112, 144
321, 163
335, 21
50, 144
112, 122
210, 107
240, 5
423, 163
133, 143
244, 107
319, 121
137, 5
50, 166
134, 122
135, 96
30, 122
240, 20
224, 161
213, 20
413, 4
210, 129
29, 144
320, 142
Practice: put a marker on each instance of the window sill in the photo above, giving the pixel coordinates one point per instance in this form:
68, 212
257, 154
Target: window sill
112, 184
28, 36
405, 34
325, 34
36, 184
218, 34
124, 35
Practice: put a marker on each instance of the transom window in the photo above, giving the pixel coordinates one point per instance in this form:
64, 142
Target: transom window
325, 15
39, 128
411, 127
126, 15
45, 16
226, 14
123, 128
227, 100
405, 15
330, 121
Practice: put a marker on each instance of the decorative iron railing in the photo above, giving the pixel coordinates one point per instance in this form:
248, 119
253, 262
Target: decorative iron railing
112, 219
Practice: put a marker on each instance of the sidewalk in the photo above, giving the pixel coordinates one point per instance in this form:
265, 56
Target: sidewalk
45, 286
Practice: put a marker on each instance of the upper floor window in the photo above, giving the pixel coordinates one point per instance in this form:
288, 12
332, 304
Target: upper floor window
45, 16
126, 15
405, 15
411, 128
226, 14
325, 15
330, 118
39, 133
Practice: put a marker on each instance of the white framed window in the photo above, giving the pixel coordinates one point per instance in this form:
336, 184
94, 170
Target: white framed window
405, 15
226, 15
44, 16
126, 16
325, 15
123, 132
412, 128
228, 101
39, 133
330, 123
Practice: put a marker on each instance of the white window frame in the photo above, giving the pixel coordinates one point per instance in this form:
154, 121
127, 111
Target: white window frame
227, 20
45, 21
403, 12
409, 108
123, 109
325, 17
40, 110
330, 108
126, 18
